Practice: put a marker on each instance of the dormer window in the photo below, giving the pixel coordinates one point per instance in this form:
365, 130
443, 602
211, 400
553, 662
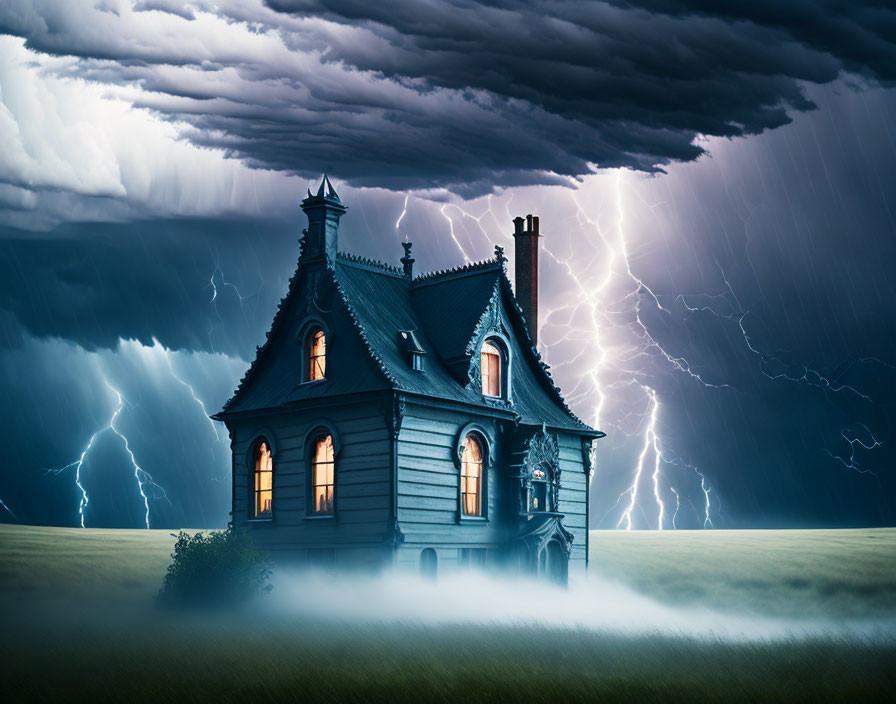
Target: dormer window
317, 355
491, 363
409, 342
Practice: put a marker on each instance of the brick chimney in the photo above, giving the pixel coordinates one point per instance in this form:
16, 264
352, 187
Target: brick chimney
526, 262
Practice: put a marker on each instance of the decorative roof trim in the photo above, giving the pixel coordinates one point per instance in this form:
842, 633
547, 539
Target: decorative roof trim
370, 264
472, 268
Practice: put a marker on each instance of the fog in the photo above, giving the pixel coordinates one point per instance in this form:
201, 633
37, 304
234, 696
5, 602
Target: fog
589, 603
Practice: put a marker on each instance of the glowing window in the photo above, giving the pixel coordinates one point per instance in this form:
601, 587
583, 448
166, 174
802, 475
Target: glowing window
471, 478
539, 496
317, 355
264, 480
490, 364
322, 473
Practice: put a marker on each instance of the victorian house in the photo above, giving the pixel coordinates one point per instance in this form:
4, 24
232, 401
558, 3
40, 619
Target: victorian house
401, 419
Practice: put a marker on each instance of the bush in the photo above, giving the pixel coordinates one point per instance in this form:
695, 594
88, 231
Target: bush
221, 568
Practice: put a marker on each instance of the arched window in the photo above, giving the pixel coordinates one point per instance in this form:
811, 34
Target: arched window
317, 354
471, 478
490, 363
322, 476
263, 493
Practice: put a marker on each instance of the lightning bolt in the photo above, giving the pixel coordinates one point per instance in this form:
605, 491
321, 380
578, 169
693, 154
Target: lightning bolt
851, 462
776, 369
8, 509
612, 296
166, 353
677, 505
213, 301
707, 522
404, 211
144, 480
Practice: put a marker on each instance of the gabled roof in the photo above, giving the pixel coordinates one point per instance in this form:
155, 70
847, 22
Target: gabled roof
446, 312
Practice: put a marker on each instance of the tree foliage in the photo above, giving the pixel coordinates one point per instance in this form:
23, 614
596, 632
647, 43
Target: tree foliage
220, 568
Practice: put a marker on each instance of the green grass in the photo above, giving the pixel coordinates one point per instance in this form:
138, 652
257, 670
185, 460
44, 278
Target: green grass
780, 573
78, 623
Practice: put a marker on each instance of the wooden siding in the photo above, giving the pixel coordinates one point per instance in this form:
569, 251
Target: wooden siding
362, 479
428, 487
572, 498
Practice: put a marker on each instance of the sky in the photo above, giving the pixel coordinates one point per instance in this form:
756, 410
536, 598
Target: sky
716, 189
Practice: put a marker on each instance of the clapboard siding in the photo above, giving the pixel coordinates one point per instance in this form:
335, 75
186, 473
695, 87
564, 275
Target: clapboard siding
429, 480
363, 479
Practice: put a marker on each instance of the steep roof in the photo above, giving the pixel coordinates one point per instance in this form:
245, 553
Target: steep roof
447, 311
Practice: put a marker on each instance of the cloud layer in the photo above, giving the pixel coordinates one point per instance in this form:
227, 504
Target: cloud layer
461, 95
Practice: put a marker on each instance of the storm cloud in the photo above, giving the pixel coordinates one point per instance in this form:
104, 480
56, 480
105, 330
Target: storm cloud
464, 96
153, 155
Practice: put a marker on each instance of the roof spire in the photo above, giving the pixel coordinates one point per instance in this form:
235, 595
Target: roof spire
324, 210
407, 260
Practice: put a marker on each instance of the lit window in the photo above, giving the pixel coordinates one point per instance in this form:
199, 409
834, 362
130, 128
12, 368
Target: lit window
490, 363
471, 478
317, 355
322, 473
539, 496
264, 480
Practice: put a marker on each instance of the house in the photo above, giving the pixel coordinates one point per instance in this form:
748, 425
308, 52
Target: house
398, 419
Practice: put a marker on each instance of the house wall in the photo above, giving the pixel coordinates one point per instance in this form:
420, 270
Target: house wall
429, 485
362, 491
572, 500
428, 491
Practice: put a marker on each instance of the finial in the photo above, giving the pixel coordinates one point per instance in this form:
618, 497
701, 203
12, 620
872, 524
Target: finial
331, 192
499, 254
320, 191
407, 260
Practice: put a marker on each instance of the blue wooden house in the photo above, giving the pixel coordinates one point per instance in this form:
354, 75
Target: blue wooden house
394, 419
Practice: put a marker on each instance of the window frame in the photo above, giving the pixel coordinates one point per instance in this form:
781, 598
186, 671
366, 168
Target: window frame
309, 328
502, 346
465, 479
329, 488
320, 429
266, 436
483, 439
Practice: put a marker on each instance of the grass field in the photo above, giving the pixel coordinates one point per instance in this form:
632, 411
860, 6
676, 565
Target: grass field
78, 623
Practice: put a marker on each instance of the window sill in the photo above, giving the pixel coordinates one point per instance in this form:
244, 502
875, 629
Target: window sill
309, 383
473, 519
325, 517
270, 519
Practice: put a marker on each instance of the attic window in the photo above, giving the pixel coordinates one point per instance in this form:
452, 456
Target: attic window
317, 355
409, 342
491, 361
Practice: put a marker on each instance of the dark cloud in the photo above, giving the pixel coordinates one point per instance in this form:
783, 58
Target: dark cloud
798, 222
200, 284
470, 96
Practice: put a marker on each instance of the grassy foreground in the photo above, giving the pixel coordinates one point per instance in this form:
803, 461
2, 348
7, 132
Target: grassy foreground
78, 623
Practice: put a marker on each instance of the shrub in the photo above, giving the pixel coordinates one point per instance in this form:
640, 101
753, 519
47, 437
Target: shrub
221, 568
